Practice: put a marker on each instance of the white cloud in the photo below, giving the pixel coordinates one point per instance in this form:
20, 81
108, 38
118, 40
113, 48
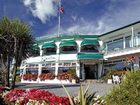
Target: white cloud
27, 2
112, 19
42, 9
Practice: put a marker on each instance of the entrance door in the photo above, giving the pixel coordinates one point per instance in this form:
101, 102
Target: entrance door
90, 71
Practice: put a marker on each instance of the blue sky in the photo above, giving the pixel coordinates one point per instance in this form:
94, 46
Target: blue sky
80, 16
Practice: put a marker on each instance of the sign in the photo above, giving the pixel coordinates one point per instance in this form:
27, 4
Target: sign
49, 58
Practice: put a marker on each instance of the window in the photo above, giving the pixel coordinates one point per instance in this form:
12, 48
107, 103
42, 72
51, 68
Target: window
128, 42
48, 51
48, 69
117, 44
138, 39
69, 49
31, 70
89, 48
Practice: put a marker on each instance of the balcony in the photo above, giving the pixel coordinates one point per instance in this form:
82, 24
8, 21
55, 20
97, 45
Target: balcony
121, 52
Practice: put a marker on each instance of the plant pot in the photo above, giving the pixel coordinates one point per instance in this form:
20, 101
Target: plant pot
73, 81
109, 81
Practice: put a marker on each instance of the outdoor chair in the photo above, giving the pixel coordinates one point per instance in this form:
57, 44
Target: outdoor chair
116, 79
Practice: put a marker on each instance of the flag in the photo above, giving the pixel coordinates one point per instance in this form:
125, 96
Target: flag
61, 9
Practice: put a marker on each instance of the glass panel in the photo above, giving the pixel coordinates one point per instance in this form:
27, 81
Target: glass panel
138, 39
115, 45
69, 49
135, 42
89, 48
65, 69
128, 42
48, 69
48, 51
31, 70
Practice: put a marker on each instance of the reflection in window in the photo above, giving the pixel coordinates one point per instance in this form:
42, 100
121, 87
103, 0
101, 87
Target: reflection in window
49, 51
138, 39
48, 69
65, 69
89, 48
68, 48
32, 71
128, 42
35, 53
115, 45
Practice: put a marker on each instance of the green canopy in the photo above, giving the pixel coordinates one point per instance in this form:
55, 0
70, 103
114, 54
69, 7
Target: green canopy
49, 45
90, 42
90, 56
68, 43
35, 47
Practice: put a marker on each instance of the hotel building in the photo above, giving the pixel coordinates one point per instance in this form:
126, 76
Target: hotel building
87, 56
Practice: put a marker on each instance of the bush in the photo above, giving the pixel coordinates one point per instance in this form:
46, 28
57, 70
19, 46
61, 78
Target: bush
128, 92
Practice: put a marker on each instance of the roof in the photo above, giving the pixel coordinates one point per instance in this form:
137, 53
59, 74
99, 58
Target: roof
120, 28
41, 41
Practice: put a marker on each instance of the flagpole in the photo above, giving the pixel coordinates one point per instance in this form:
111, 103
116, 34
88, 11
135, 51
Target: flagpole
59, 19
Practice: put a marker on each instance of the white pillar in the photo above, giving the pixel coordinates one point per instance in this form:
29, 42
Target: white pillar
39, 71
78, 69
41, 51
123, 42
57, 58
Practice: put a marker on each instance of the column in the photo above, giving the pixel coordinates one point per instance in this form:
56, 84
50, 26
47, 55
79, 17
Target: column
57, 58
123, 42
39, 71
41, 51
78, 69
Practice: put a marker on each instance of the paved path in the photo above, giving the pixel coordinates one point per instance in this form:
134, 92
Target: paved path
100, 88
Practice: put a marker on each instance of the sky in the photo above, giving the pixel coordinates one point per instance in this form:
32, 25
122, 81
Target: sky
88, 17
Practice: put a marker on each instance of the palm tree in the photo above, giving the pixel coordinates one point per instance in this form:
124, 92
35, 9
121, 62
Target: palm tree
5, 44
22, 44
18, 39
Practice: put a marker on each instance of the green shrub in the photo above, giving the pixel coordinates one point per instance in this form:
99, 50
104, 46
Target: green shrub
128, 92
84, 98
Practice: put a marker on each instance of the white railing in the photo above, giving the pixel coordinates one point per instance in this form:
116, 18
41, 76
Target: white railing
120, 52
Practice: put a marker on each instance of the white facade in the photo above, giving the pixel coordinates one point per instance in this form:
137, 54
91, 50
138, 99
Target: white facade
121, 44
61, 60
115, 46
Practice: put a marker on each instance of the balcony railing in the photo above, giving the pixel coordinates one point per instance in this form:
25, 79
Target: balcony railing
118, 50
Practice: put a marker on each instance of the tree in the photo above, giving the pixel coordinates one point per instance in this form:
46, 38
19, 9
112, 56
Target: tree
17, 38
22, 44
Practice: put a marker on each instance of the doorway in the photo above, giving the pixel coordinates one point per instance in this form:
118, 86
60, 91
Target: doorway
91, 71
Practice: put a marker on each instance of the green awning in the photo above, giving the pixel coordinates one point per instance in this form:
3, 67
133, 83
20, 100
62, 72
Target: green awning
49, 45
90, 56
68, 43
35, 47
90, 42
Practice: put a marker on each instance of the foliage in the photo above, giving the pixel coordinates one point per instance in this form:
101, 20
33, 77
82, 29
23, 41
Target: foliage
18, 78
17, 40
127, 93
84, 98
69, 75
34, 97
46, 76
109, 74
30, 77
